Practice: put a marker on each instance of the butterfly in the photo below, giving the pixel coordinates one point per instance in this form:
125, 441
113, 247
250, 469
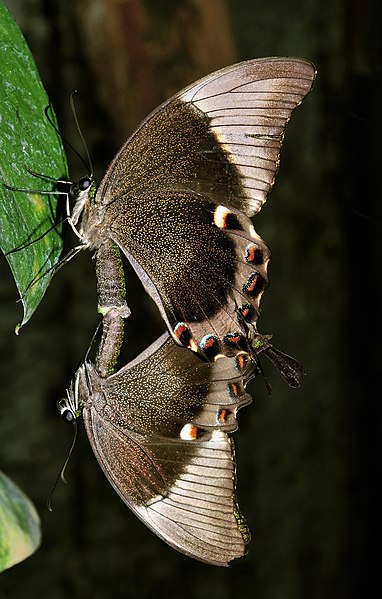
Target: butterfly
178, 197
177, 201
159, 428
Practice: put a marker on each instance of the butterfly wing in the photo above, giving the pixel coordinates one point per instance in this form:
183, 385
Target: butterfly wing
177, 197
202, 275
158, 428
220, 137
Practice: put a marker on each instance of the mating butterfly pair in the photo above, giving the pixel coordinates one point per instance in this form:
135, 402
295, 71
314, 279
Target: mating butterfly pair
177, 200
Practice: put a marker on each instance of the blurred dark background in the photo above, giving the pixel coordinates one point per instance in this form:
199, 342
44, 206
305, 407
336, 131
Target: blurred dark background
308, 460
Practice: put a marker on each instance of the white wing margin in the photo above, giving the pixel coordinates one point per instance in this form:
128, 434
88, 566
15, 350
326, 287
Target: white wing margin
249, 106
199, 515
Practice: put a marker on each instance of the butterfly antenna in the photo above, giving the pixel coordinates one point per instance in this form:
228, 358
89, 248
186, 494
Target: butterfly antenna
89, 164
52, 123
61, 474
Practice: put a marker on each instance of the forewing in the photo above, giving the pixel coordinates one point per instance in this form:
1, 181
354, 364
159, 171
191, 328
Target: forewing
220, 137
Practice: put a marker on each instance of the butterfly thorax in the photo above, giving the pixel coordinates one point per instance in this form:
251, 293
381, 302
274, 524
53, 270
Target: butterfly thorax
93, 224
88, 387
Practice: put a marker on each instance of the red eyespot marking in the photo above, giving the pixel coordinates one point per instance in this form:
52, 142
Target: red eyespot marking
222, 415
241, 361
182, 333
189, 432
254, 284
233, 339
253, 253
247, 311
210, 345
250, 253
233, 389
208, 341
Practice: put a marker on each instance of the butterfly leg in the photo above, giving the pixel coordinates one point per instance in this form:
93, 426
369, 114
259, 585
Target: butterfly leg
111, 304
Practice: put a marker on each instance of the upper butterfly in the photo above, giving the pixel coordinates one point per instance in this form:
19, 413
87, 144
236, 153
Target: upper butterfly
178, 195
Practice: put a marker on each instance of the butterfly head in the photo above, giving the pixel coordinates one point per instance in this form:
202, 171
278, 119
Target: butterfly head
82, 193
83, 388
71, 406
68, 407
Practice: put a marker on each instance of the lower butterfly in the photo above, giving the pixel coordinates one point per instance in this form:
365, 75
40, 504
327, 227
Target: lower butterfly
159, 428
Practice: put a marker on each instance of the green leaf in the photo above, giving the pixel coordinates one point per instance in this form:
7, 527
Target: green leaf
20, 533
27, 141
